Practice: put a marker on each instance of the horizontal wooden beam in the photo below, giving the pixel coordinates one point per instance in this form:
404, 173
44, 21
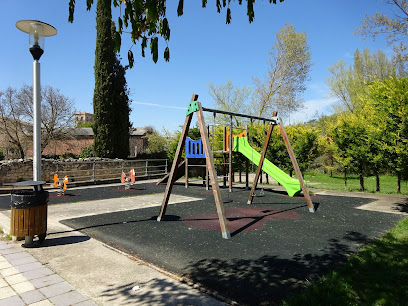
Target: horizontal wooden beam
273, 120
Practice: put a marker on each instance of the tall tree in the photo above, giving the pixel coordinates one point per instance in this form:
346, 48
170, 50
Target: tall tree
147, 21
232, 99
387, 100
395, 27
351, 145
121, 110
13, 125
341, 84
16, 115
289, 67
348, 83
110, 101
103, 93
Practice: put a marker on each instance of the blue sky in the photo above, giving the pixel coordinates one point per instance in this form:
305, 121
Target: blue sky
203, 49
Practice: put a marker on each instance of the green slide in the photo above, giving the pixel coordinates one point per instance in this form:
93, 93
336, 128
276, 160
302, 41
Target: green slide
291, 185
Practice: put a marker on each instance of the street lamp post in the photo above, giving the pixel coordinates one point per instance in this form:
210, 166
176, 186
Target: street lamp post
37, 30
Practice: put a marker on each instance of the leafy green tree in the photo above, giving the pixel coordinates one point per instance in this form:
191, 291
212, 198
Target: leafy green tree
84, 124
326, 158
87, 151
290, 62
304, 143
157, 143
110, 102
355, 145
387, 100
340, 148
347, 83
121, 110
146, 20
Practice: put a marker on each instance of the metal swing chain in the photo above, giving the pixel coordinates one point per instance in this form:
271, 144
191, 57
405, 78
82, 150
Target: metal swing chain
252, 151
262, 189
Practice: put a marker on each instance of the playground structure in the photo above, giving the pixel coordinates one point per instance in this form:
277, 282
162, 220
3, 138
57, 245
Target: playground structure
201, 149
61, 185
128, 181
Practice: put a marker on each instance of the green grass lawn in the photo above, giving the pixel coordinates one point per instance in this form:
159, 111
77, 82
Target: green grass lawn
377, 275
388, 184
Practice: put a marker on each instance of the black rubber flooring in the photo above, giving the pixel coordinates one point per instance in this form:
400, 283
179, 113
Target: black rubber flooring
277, 246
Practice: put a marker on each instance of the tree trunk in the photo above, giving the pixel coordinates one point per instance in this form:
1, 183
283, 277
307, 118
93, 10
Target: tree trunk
21, 152
345, 179
240, 176
291, 173
399, 182
267, 178
331, 173
377, 182
361, 182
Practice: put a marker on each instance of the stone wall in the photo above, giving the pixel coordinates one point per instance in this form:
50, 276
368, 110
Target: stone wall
92, 169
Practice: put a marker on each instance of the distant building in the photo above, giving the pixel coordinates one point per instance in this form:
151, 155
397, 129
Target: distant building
76, 139
138, 140
83, 117
82, 137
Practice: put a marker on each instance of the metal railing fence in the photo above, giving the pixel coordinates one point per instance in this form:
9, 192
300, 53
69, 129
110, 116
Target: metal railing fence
99, 170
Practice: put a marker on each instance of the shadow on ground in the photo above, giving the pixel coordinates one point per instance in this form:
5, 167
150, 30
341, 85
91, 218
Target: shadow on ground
153, 292
402, 207
51, 242
268, 279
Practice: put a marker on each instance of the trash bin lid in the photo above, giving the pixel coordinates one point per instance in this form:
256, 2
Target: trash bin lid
29, 183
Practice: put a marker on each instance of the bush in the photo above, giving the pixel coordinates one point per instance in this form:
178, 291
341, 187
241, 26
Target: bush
87, 151
68, 155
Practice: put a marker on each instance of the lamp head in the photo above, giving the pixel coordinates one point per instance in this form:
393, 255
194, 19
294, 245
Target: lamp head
37, 30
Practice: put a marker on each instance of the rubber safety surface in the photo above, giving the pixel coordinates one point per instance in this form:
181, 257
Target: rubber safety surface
277, 245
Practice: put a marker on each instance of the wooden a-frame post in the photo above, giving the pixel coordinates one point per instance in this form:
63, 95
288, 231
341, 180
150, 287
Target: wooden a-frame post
296, 167
258, 171
195, 107
292, 158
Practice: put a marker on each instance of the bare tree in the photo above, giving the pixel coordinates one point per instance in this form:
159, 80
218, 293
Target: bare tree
16, 111
289, 66
14, 127
395, 27
230, 98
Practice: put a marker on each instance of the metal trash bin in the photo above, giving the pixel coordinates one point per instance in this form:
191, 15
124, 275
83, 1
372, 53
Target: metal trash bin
29, 212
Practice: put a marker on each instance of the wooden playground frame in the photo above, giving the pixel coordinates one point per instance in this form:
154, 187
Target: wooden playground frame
195, 107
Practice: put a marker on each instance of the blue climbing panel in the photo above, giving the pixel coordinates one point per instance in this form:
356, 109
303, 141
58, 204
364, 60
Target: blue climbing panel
194, 148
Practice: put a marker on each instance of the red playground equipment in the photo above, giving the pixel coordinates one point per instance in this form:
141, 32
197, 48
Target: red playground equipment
128, 181
61, 185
